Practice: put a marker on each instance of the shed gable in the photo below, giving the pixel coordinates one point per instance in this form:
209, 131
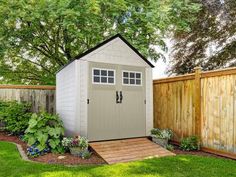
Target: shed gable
116, 52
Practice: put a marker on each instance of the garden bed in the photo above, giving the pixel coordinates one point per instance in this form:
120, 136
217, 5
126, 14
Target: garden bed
178, 151
52, 158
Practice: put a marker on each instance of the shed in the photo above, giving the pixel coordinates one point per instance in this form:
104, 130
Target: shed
106, 92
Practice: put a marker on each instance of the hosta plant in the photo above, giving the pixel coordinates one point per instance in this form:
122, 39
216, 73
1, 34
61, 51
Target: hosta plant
45, 131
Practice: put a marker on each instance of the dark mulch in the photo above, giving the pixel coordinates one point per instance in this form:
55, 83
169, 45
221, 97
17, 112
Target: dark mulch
178, 151
52, 158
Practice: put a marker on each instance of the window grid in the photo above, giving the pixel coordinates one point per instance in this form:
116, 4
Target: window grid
132, 78
103, 76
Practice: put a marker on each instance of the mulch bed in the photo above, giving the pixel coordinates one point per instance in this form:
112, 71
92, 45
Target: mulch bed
52, 158
178, 151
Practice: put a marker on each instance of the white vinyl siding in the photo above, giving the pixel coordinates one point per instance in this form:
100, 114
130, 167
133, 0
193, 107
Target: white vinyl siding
149, 101
65, 96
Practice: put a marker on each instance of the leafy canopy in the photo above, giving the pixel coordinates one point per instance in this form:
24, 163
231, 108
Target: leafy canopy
37, 37
211, 42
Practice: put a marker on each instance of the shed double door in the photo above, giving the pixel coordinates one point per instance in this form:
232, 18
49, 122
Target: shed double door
116, 102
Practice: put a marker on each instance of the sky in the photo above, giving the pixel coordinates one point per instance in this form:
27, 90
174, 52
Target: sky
159, 70
161, 66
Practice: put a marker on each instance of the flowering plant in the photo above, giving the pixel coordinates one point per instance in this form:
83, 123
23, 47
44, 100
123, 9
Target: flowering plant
77, 141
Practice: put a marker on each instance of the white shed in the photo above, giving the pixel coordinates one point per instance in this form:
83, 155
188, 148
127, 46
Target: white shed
106, 93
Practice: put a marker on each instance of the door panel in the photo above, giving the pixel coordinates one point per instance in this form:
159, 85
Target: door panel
108, 119
132, 109
103, 111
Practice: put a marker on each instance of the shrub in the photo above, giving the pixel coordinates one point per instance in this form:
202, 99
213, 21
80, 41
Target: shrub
45, 131
162, 134
169, 147
15, 116
190, 143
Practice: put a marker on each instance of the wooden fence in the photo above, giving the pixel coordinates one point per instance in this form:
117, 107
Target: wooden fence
202, 104
41, 97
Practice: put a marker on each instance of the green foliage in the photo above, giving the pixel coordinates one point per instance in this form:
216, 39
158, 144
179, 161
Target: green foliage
86, 154
190, 143
15, 116
37, 37
211, 41
45, 130
162, 134
169, 147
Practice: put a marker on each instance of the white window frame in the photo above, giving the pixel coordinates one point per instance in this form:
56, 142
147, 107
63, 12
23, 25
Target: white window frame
102, 83
135, 72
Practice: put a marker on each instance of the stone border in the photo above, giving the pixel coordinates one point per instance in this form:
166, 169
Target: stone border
22, 152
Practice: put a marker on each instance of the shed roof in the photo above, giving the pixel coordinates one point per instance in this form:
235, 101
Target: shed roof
105, 42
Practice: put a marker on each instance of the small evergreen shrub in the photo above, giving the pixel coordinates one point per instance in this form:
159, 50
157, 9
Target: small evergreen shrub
190, 144
15, 116
45, 131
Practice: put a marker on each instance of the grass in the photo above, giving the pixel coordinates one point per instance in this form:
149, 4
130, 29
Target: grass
11, 164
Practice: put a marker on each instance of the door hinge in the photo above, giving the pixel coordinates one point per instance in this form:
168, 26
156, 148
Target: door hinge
87, 101
144, 101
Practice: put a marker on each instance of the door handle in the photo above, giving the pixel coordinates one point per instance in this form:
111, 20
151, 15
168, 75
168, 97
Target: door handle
117, 97
121, 96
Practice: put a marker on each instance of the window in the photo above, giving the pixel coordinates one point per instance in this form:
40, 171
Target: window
132, 78
103, 76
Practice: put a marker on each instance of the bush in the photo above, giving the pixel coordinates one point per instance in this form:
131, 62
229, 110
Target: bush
45, 131
15, 116
190, 143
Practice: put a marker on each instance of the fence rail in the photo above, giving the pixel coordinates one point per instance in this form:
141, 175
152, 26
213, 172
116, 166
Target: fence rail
202, 104
40, 97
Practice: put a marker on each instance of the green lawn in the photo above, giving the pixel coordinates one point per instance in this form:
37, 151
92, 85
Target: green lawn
11, 164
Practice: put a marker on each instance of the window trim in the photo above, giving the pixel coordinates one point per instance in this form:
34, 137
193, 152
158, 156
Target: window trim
102, 83
135, 72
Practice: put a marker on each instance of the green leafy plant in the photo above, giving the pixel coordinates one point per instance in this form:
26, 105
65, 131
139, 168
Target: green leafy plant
162, 134
45, 130
190, 143
15, 116
86, 154
169, 147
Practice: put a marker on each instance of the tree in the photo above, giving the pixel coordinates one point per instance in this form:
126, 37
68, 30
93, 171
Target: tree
211, 43
38, 37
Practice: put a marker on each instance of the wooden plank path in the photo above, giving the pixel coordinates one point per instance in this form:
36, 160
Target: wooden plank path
126, 150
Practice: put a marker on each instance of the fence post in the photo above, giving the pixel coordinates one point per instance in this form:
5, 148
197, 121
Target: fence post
198, 102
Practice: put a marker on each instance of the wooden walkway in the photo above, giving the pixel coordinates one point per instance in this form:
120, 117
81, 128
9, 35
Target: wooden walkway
128, 150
